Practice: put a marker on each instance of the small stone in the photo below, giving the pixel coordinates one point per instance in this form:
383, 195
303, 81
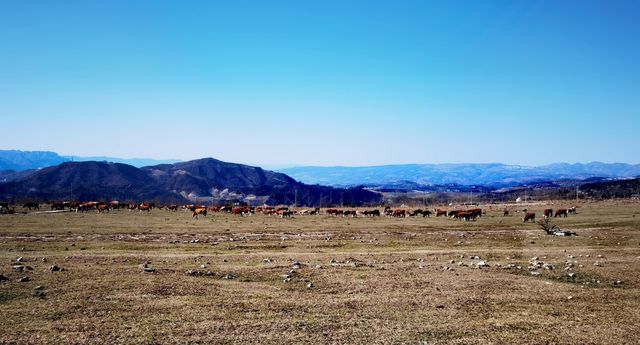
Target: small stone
617, 283
571, 275
439, 306
20, 259
482, 264
148, 270
24, 279
267, 260
535, 273
21, 268
229, 276
309, 285
44, 259
570, 297
3, 277
318, 267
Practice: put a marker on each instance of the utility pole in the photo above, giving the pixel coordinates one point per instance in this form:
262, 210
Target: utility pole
577, 193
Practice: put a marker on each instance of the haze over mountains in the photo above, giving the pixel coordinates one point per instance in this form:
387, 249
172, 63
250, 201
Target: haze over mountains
45, 175
25, 160
494, 174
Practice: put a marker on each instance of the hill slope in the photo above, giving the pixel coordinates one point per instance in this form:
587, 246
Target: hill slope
202, 180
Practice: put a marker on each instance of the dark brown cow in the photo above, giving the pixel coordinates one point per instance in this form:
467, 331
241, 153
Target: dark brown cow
440, 212
104, 208
400, 213
31, 205
505, 213
172, 207
561, 212
529, 216
548, 213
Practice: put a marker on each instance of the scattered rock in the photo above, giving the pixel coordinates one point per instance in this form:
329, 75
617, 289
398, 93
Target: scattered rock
267, 260
617, 283
40, 294
24, 279
229, 276
570, 298
309, 285
55, 268
20, 259
535, 273
547, 266
439, 306
319, 267
482, 264
44, 259
3, 277
21, 268
571, 275
148, 270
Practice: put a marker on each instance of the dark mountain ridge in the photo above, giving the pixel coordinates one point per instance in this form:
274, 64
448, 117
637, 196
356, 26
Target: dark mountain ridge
203, 180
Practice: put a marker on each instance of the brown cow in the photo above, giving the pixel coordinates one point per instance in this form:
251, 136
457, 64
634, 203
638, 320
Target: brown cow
505, 213
199, 211
144, 207
529, 216
548, 213
440, 212
561, 212
104, 208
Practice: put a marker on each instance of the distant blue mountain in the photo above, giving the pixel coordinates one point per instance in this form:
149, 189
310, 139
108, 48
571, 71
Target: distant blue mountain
136, 162
492, 174
26, 160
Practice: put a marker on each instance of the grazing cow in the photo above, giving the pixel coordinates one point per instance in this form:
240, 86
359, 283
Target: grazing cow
529, 216
57, 205
572, 210
505, 213
548, 213
31, 205
284, 213
400, 213
316, 211
426, 213
144, 207
347, 213
453, 214
561, 212
440, 212
172, 207
103, 208
242, 210
199, 211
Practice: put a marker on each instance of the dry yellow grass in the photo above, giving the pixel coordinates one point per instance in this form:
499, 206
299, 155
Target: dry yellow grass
374, 280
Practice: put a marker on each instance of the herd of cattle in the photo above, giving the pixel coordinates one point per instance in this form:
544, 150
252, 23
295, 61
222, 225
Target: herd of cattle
284, 212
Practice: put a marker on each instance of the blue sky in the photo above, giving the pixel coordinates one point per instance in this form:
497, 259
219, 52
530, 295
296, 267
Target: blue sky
325, 82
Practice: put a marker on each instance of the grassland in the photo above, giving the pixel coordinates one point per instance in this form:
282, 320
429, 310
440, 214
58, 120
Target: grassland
360, 280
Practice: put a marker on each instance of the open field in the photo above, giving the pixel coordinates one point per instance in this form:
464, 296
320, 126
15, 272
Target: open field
360, 280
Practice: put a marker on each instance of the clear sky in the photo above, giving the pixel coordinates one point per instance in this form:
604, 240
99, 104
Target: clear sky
323, 82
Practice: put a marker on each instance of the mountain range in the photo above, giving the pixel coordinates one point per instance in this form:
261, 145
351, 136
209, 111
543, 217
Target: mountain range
17, 160
494, 174
199, 181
